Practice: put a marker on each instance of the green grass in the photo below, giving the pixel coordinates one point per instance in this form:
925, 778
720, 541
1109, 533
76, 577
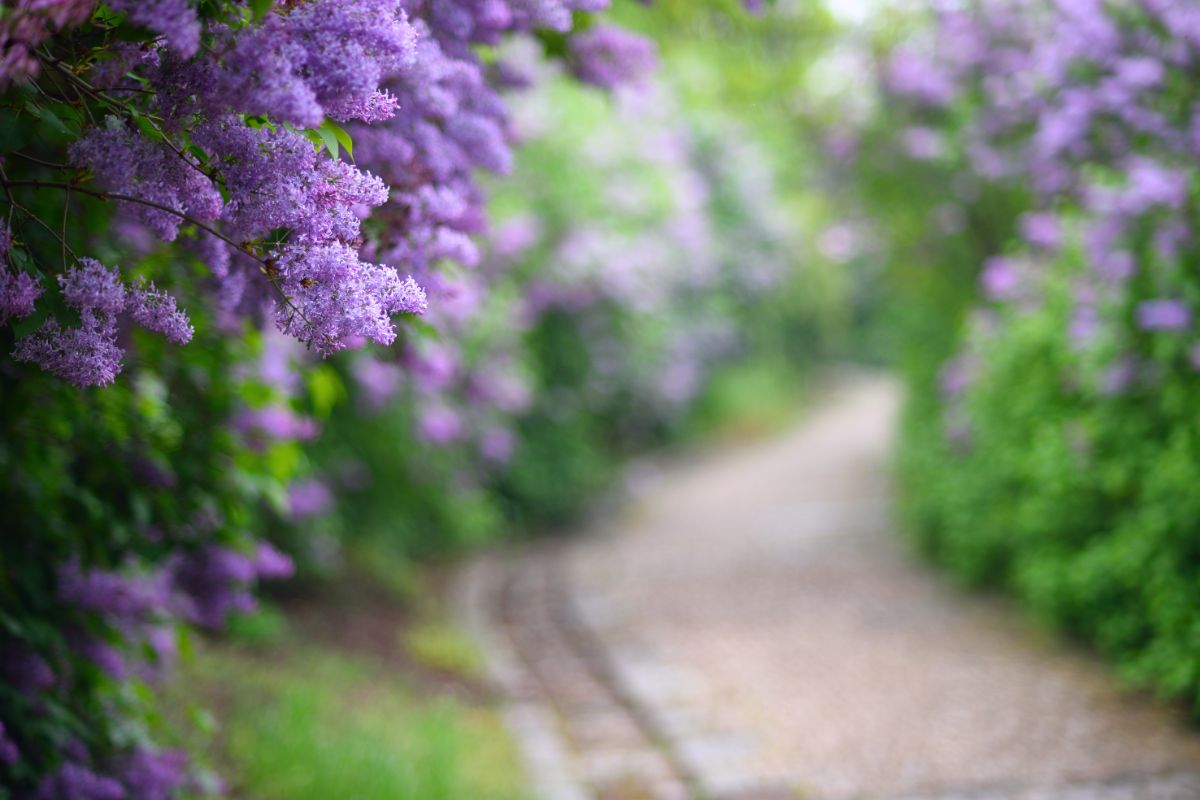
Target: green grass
294, 721
444, 647
749, 400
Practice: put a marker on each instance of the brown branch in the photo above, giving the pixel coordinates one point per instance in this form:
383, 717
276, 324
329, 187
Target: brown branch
15, 206
268, 267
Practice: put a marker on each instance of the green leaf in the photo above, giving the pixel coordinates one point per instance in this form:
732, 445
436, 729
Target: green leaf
313, 136
13, 135
340, 134
326, 389
49, 117
260, 8
330, 140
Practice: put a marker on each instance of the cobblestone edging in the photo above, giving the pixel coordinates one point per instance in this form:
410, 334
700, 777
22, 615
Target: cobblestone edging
578, 737
526, 713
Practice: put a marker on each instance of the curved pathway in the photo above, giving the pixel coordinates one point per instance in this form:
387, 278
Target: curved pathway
750, 628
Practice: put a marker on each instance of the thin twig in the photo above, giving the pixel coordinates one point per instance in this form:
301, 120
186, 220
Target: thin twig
15, 206
69, 187
66, 210
268, 267
41, 162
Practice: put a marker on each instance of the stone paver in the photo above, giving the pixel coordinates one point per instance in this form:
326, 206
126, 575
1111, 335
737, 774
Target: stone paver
750, 629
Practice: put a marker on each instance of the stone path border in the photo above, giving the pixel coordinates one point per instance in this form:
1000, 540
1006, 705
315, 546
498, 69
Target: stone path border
581, 734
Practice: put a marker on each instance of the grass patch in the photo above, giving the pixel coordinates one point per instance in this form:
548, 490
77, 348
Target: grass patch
284, 712
441, 646
748, 401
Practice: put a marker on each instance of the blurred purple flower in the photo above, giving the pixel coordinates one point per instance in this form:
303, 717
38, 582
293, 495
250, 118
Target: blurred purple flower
153, 775
923, 143
74, 781
1084, 326
309, 498
213, 583
275, 423
497, 445
1163, 315
439, 424
9, 754
610, 57
957, 375
1041, 229
1000, 279
101, 653
128, 598
920, 78
271, 564
1118, 376
24, 669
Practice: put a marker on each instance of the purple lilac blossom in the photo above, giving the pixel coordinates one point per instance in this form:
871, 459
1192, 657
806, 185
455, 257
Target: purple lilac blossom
74, 781
24, 669
28, 23
85, 356
275, 423
309, 498
214, 583
153, 775
1042, 230
102, 654
1084, 325
334, 297
439, 424
272, 564
920, 78
1000, 279
379, 380
130, 598
923, 143
1119, 376
610, 57
155, 310
174, 20
9, 753
1163, 315
18, 294
128, 163
497, 445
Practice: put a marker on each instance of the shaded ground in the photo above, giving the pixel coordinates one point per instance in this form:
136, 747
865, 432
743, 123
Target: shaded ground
750, 628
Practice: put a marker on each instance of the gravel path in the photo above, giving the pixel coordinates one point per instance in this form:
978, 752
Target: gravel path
750, 628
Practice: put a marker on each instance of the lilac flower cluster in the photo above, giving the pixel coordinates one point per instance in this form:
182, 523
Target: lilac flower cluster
215, 582
174, 20
88, 355
277, 220
28, 23
127, 162
18, 293
612, 57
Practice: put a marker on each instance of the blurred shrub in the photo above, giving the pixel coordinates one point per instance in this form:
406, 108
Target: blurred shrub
1034, 196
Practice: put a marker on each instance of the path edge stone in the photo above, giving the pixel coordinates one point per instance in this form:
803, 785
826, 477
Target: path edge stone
531, 722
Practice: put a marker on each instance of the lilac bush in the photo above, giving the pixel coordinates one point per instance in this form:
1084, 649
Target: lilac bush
183, 186
1048, 445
